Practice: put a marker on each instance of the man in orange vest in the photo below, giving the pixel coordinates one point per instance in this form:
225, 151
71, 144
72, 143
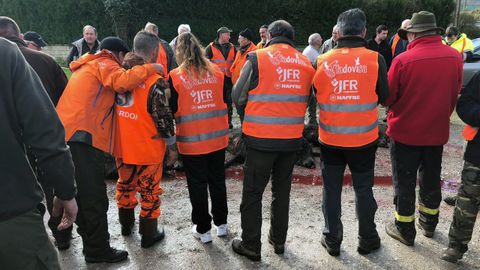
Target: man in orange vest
222, 53
140, 150
468, 196
276, 81
350, 81
246, 46
86, 109
397, 44
263, 36
166, 56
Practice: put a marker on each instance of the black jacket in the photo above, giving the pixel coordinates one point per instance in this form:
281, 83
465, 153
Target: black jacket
468, 109
51, 74
383, 48
28, 121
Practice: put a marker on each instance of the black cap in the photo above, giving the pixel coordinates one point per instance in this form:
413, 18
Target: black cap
114, 44
246, 33
35, 38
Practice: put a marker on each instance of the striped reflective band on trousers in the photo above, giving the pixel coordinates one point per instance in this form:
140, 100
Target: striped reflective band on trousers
348, 130
426, 210
203, 137
277, 98
271, 120
348, 107
200, 116
404, 218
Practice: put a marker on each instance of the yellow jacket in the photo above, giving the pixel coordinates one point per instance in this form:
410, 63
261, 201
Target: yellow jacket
462, 44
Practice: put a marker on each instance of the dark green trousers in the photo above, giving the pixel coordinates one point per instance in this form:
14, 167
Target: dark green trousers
259, 166
466, 208
24, 243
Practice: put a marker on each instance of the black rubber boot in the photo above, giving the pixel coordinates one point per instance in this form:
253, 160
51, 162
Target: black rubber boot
127, 219
150, 233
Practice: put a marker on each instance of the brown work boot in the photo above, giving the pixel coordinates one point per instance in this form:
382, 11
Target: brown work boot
237, 246
332, 248
452, 255
426, 232
367, 246
394, 232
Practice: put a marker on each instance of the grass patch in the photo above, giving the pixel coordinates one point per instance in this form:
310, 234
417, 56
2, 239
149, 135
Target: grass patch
67, 72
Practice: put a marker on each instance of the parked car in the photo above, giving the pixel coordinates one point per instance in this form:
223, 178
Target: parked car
472, 66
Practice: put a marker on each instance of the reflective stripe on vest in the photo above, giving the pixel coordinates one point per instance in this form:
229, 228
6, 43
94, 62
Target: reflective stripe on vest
219, 60
276, 107
426, 210
469, 132
348, 130
346, 81
277, 98
404, 218
201, 119
274, 120
200, 116
204, 136
348, 107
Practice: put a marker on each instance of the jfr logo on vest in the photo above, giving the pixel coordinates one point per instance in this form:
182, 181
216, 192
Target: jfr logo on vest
288, 74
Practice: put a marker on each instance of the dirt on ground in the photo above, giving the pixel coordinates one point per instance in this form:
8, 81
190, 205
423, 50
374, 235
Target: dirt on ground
180, 250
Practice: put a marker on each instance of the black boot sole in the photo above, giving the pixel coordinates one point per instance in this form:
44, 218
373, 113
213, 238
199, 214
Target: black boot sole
123, 257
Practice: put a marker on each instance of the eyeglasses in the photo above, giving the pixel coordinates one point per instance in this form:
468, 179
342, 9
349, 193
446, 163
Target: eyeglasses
450, 35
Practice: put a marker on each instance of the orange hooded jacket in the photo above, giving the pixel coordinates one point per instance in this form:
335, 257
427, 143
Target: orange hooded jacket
86, 107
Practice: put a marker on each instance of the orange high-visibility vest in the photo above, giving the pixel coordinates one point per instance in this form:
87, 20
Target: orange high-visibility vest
469, 132
396, 39
276, 107
345, 80
162, 59
135, 128
240, 60
201, 119
260, 45
219, 60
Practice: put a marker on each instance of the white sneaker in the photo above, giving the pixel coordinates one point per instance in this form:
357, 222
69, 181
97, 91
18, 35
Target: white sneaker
204, 237
222, 230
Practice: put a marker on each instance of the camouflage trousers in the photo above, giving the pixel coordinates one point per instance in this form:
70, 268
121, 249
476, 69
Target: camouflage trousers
144, 179
466, 208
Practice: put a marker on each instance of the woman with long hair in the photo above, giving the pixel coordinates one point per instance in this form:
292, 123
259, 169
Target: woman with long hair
202, 134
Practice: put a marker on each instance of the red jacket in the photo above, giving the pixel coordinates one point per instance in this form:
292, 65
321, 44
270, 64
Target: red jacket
424, 84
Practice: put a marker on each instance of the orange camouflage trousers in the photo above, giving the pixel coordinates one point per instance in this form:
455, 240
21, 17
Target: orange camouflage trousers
144, 179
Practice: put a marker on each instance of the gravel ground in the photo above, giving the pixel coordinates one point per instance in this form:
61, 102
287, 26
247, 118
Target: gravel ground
179, 250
